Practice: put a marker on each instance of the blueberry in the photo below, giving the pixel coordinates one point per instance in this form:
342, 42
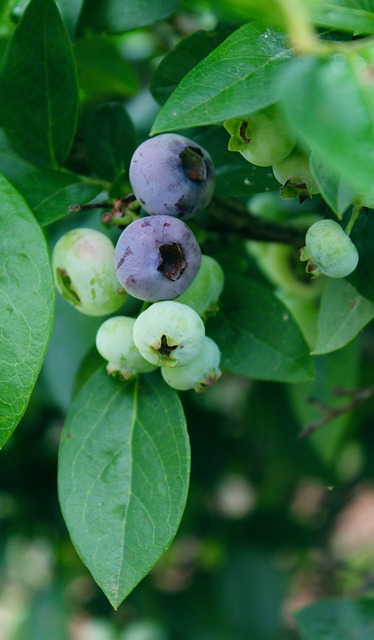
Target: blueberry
84, 274
203, 294
295, 175
156, 258
261, 137
115, 343
198, 374
329, 250
172, 175
169, 333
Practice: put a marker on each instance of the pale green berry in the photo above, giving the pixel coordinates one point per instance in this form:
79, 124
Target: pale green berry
169, 333
261, 137
329, 250
84, 274
204, 291
295, 176
115, 343
200, 373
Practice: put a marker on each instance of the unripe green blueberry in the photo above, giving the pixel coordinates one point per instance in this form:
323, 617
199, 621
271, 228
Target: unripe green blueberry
169, 333
204, 291
115, 343
295, 175
84, 274
329, 250
261, 137
200, 373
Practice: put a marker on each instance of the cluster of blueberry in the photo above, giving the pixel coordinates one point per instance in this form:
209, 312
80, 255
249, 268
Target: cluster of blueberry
157, 259
262, 139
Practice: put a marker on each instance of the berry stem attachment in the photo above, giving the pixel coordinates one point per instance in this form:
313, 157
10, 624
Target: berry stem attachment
122, 210
76, 208
355, 213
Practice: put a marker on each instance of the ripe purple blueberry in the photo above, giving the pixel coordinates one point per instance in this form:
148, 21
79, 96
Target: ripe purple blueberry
172, 175
156, 258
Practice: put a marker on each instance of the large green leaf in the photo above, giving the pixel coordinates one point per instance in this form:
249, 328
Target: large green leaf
26, 306
332, 619
50, 193
343, 313
235, 79
332, 187
102, 69
330, 101
123, 477
355, 16
115, 16
110, 140
12, 165
69, 10
184, 57
257, 336
38, 85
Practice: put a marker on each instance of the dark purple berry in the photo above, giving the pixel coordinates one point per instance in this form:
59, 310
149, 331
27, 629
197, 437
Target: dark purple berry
156, 258
172, 175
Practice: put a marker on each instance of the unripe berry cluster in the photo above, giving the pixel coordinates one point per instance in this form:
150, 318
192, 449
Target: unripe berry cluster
169, 335
157, 259
263, 139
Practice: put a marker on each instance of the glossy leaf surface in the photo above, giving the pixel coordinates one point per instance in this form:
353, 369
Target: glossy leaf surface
235, 79
123, 477
257, 336
26, 306
38, 78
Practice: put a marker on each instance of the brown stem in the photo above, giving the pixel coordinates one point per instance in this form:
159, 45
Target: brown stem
229, 216
359, 396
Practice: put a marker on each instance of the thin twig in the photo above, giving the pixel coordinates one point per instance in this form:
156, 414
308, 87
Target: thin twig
359, 396
232, 217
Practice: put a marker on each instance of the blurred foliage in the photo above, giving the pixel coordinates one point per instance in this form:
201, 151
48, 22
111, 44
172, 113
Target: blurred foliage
280, 513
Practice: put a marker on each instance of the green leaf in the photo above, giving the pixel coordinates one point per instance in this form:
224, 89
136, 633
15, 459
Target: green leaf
234, 175
330, 101
110, 140
123, 477
12, 165
355, 16
38, 78
362, 235
332, 619
70, 12
343, 313
235, 79
116, 16
50, 193
103, 70
184, 57
26, 306
257, 336
333, 189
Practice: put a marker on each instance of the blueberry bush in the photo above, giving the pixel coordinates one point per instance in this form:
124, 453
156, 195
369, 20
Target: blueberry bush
187, 206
